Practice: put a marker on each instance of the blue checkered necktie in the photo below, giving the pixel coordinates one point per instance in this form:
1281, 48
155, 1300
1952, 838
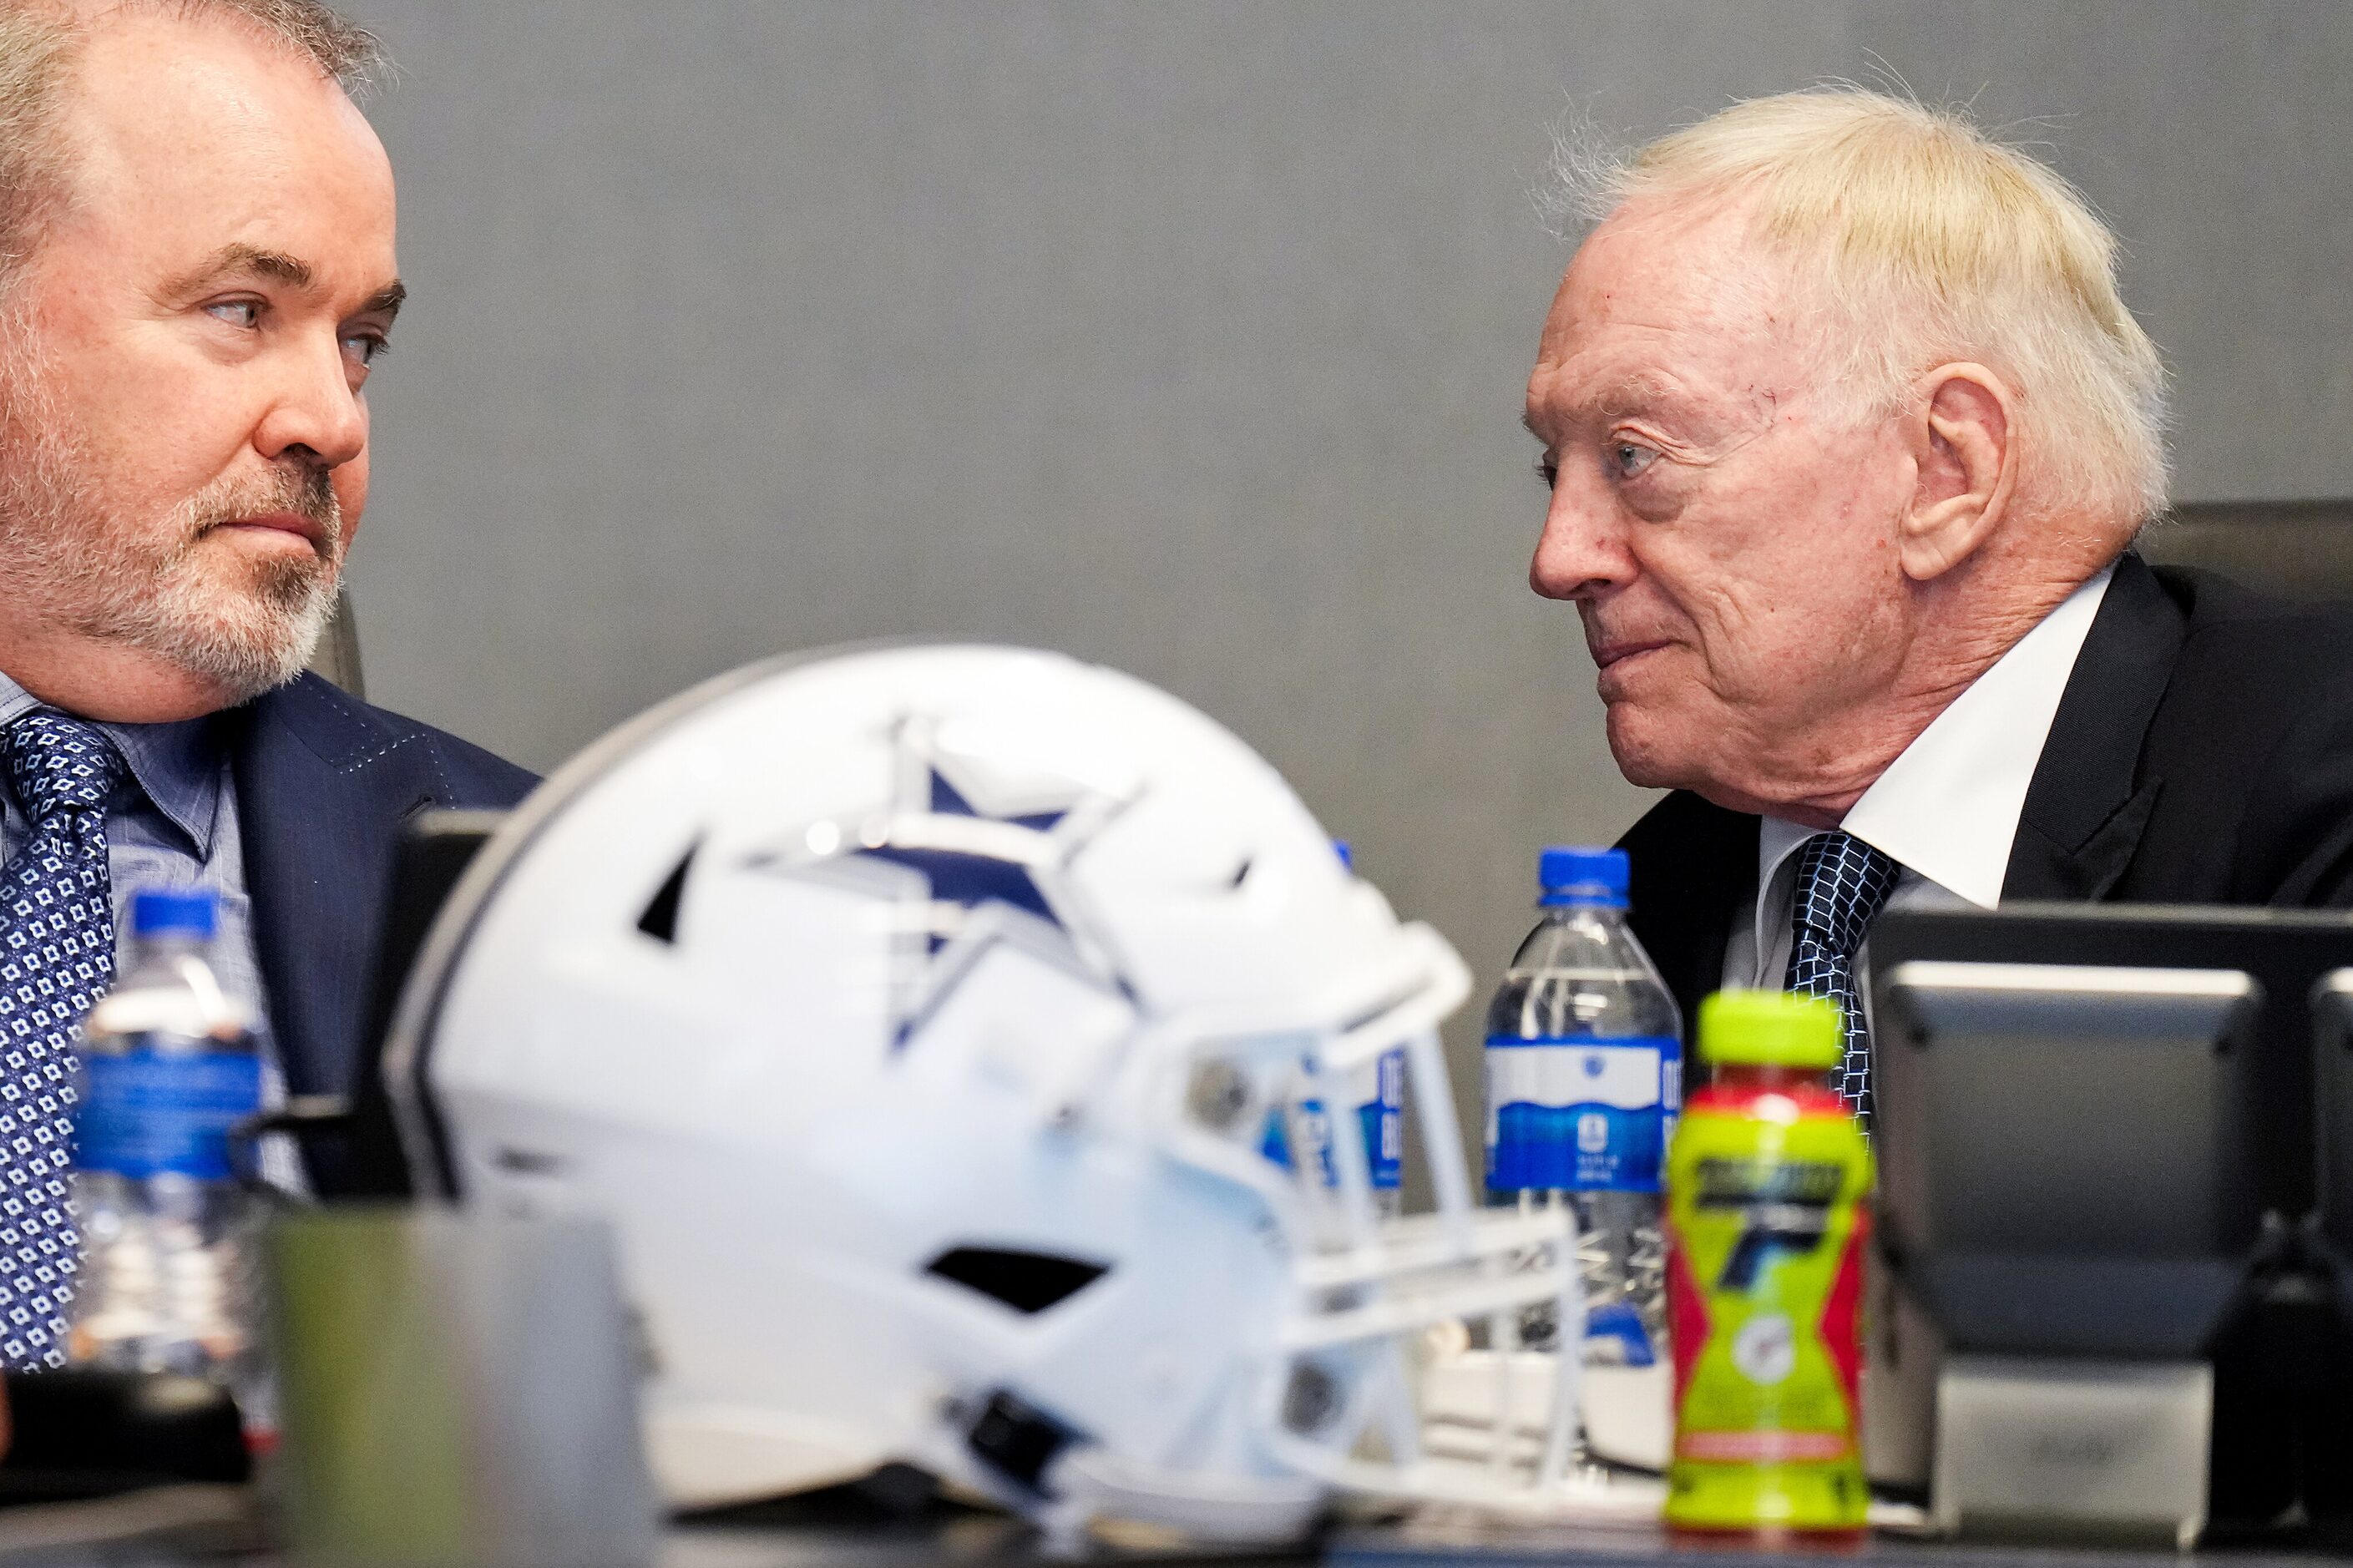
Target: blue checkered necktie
56, 957
1843, 884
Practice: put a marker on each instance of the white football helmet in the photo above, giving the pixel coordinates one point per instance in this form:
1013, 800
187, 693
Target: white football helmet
916, 1015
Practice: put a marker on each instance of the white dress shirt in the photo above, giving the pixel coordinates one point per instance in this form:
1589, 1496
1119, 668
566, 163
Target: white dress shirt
1946, 808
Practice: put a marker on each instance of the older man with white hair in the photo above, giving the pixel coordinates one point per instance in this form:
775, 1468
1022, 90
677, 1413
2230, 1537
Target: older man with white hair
1848, 436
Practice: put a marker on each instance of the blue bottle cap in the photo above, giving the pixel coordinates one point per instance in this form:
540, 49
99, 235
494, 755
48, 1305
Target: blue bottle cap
1348, 855
156, 912
1575, 874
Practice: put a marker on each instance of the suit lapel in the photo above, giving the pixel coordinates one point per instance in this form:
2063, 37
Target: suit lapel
2088, 805
1693, 865
322, 790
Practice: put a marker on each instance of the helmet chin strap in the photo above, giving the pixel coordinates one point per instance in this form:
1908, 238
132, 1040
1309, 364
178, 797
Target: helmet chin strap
1081, 1483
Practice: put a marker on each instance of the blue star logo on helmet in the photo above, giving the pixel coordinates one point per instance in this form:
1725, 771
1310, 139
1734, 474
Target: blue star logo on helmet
972, 863
970, 877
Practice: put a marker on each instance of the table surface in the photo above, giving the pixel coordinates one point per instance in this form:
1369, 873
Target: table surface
181, 1527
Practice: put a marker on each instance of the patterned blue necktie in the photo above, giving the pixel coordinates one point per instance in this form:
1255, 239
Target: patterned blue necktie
56, 957
1843, 884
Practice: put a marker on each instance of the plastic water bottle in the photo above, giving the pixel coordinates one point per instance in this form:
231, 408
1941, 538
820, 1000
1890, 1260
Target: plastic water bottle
1376, 1093
1583, 1081
168, 1068
1379, 1094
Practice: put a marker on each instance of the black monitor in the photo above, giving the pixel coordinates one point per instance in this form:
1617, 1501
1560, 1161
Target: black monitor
2332, 1220
432, 854
2066, 1151
2095, 1132
2325, 1359
2285, 953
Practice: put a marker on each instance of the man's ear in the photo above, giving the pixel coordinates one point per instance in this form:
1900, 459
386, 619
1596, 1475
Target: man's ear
1961, 430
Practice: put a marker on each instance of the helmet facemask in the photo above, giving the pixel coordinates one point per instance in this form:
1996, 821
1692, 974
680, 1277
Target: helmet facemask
1375, 1297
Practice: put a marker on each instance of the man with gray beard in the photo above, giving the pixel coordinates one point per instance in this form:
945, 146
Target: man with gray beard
197, 277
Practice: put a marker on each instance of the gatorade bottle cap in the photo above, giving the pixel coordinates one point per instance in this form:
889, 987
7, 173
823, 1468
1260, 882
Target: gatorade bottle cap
1572, 874
155, 912
1771, 1029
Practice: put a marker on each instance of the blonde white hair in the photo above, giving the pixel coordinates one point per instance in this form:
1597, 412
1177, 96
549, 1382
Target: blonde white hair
1928, 242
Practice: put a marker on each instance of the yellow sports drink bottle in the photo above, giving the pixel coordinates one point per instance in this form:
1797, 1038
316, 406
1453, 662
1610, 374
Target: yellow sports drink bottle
1767, 1184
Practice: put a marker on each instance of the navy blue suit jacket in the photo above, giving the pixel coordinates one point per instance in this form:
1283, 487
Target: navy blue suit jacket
325, 784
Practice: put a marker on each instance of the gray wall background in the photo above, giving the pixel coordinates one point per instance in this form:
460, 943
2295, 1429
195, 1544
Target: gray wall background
1189, 337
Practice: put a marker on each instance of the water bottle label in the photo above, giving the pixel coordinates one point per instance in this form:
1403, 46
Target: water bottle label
1380, 1118
146, 1113
1383, 1119
1588, 1115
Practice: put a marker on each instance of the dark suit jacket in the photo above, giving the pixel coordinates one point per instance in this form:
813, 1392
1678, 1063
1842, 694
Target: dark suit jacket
2203, 755
324, 783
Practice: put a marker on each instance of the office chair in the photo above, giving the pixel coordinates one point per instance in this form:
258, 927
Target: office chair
2301, 549
338, 653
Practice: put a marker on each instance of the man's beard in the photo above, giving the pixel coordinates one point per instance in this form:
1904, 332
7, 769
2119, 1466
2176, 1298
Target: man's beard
87, 567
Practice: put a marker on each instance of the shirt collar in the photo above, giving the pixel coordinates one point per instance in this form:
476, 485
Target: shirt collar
1777, 840
177, 765
1948, 807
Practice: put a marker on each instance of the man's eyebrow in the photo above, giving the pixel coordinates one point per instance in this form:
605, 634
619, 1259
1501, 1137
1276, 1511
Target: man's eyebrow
245, 260
1632, 393
1627, 394
387, 301
254, 261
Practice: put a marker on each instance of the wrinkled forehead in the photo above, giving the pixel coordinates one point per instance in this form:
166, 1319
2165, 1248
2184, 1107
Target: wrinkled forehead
1663, 294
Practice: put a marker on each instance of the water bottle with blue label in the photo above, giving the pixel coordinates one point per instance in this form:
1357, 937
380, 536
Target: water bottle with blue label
1583, 1081
1376, 1092
168, 1068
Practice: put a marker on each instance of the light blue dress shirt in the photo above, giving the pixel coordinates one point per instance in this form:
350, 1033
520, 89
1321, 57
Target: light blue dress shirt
172, 825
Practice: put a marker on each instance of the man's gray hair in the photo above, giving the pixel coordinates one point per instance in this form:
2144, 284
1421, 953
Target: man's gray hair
39, 41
